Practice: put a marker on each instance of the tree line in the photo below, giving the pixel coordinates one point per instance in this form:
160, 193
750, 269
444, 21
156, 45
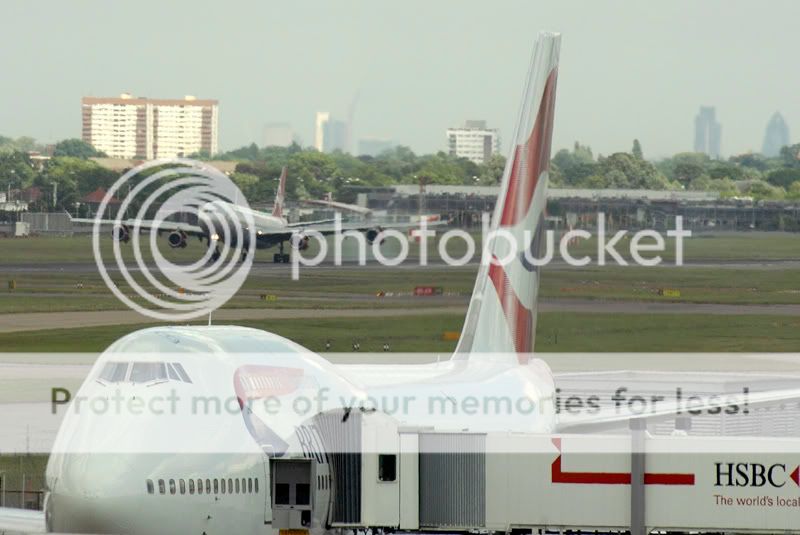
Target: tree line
313, 174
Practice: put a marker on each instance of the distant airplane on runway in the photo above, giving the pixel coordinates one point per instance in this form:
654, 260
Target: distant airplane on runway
270, 229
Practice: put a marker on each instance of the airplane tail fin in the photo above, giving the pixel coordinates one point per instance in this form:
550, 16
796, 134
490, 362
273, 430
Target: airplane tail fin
502, 312
277, 209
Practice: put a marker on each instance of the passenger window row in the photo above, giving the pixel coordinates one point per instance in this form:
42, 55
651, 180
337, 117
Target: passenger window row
244, 485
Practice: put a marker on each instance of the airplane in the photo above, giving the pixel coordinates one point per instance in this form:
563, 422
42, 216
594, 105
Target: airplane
217, 218
184, 472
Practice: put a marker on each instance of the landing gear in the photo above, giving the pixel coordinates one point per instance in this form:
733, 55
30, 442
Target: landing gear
281, 257
215, 255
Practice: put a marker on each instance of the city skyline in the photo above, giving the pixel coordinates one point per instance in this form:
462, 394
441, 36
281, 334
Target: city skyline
411, 90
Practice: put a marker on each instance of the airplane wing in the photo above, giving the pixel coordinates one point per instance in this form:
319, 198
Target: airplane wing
162, 226
327, 228
21, 521
303, 224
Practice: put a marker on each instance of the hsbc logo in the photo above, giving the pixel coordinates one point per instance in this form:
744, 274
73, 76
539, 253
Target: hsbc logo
755, 475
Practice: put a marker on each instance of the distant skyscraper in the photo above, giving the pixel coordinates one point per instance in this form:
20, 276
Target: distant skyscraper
707, 132
331, 134
776, 136
473, 141
131, 127
319, 129
278, 135
374, 146
335, 136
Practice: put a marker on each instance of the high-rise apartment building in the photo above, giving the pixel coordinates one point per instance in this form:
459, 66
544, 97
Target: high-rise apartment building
142, 128
776, 136
473, 141
707, 132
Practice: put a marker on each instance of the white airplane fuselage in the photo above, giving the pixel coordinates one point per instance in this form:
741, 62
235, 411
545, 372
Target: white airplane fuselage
221, 215
128, 450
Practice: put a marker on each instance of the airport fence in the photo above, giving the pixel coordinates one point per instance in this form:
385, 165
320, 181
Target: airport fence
18, 499
48, 222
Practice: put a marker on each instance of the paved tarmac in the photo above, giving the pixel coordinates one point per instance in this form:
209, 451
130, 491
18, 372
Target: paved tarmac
69, 320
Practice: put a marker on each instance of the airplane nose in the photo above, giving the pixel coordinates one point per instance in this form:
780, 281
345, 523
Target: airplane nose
90, 494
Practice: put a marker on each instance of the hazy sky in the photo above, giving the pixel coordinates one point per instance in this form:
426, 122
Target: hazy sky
628, 69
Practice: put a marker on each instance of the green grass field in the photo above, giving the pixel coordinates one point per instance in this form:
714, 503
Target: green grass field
556, 332
357, 288
353, 288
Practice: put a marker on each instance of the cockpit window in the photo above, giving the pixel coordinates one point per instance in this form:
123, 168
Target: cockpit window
181, 372
145, 372
173, 375
114, 372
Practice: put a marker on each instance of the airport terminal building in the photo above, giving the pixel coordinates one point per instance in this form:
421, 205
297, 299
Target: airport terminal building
578, 208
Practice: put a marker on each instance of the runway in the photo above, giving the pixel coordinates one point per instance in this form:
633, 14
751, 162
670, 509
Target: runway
427, 306
412, 263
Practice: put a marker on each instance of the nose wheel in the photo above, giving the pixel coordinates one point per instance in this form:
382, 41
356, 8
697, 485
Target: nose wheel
216, 254
280, 257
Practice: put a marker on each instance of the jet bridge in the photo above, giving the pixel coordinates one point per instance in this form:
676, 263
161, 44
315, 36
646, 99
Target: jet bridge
426, 480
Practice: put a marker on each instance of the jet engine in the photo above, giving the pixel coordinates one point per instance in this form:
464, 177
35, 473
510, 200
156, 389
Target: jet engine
372, 235
300, 242
121, 233
177, 239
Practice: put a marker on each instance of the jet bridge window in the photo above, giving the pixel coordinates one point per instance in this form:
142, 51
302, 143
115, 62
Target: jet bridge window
387, 467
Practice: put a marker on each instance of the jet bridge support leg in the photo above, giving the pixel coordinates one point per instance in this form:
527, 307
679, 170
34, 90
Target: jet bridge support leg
638, 428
